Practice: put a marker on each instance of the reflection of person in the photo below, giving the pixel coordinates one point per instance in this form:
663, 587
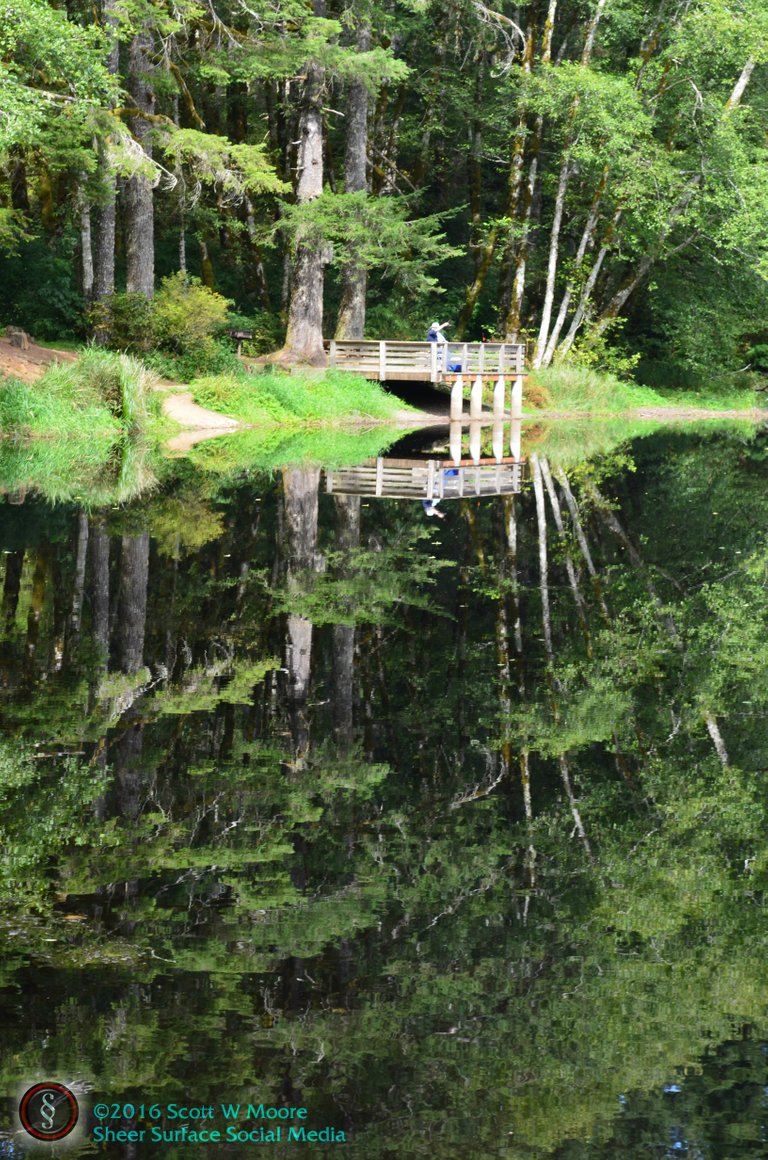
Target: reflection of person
430, 508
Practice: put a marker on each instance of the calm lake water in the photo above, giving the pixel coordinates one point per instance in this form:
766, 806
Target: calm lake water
450, 831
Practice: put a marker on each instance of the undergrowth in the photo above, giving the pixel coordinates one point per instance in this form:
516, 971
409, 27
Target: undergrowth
102, 394
276, 397
577, 388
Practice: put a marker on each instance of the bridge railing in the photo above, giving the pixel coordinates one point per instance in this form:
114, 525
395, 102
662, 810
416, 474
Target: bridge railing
431, 479
426, 361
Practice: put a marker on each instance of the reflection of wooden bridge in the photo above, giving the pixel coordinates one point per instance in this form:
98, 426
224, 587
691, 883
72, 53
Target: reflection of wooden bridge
437, 479
448, 363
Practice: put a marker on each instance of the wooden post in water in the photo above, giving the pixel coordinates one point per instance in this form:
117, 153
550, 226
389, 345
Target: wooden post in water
515, 437
454, 442
475, 431
457, 397
516, 400
476, 398
497, 441
499, 391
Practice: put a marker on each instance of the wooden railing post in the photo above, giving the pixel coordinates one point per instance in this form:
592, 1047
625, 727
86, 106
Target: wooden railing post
475, 434
433, 361
332, 353
382, 362
517, 397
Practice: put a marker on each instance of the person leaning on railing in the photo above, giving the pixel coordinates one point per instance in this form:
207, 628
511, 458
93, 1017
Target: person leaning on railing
435, 334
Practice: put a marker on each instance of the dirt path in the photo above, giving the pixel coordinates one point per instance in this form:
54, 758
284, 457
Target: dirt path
30, 364
179, 405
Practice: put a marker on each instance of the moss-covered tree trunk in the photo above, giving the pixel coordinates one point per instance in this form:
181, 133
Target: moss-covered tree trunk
104, 248
304, 335
351, 320
139, 201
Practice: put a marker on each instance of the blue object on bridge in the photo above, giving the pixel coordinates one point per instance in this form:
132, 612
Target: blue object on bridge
454, 368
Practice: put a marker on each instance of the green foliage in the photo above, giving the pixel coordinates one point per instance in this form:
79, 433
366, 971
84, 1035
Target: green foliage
102, 393
48, 66
275, 397
185, 314
365, 586
175, 332
374, 233
125, 320
39, 289
234, 171
575, 387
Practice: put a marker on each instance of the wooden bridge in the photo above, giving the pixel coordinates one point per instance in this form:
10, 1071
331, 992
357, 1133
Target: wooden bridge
441, 363
440, 479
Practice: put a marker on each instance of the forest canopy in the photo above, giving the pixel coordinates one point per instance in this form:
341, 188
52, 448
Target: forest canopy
587, 177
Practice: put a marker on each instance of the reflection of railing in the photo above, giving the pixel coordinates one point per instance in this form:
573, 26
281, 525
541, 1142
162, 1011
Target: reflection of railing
428, 479
427, 361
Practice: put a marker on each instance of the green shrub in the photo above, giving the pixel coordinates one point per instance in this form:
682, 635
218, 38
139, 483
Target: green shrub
122, 321
211, 359
186, 314
175, 331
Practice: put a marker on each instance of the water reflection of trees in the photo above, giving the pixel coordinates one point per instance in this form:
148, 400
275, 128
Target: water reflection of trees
477, 862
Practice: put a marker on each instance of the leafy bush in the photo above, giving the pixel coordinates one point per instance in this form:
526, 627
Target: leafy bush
175, 330
186, 314
122, 321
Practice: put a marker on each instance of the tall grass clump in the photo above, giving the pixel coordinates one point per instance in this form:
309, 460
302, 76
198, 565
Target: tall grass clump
276, 397
579, 388
103, 393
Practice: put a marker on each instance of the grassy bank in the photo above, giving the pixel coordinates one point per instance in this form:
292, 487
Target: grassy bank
88, 431
102, 395
574, 388
274, 397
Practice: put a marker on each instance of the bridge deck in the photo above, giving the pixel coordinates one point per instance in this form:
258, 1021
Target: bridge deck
427, 362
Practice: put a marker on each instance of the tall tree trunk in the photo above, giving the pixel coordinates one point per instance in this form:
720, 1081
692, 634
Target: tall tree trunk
304, 335
354, 277
347, 539
104, 251
14, 566
78, 588
134, 579
516, 257
299, 540
99, 538
139, 200
86, 253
